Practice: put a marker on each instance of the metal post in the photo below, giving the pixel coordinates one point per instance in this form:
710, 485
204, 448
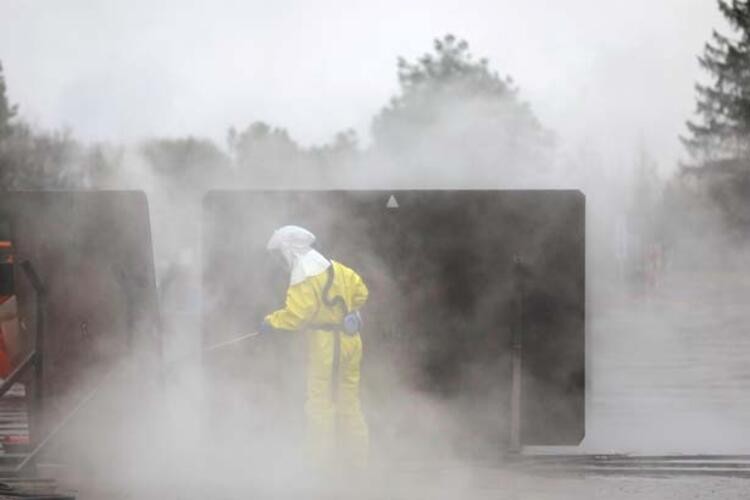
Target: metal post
517, 355
39, 360
38, 384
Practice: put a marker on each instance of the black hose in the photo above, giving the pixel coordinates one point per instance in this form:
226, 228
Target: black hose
337, 300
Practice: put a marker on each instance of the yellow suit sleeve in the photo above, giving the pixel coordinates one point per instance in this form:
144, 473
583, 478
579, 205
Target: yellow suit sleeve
359, 291
301, 305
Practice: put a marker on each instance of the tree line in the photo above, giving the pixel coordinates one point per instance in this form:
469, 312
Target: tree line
445, 98
454, 122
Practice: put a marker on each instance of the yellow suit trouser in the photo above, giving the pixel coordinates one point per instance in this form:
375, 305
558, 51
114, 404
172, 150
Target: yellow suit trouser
336, 425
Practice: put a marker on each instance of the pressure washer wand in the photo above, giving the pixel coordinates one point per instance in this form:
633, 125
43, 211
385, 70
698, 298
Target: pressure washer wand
194, 356
230, 342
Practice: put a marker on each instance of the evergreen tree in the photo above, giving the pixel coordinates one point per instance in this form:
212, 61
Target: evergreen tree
723, 131
7, 112
719, 143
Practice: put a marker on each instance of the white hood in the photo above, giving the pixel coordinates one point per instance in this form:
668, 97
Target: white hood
295, 244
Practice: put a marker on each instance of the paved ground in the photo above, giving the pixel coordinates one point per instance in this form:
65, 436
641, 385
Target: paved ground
479, 483
670, 372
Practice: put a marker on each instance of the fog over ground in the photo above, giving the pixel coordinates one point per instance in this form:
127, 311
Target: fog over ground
605, 76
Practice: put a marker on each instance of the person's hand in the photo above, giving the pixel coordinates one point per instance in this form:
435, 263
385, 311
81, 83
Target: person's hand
265, 328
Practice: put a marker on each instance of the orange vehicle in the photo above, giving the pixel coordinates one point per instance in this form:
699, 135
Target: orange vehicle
8, 311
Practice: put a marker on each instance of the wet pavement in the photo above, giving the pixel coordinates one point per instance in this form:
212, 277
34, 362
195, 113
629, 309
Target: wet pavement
669, 371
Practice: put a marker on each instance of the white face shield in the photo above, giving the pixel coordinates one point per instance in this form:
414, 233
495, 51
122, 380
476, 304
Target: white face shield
294, 243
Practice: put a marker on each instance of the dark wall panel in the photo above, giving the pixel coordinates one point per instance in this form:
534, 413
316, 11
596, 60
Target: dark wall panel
93, 252
440, 268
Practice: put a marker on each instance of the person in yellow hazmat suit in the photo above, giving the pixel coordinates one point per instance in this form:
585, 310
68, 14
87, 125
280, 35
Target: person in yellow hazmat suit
323, 301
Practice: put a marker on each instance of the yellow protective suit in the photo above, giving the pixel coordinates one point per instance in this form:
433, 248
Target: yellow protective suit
336, 425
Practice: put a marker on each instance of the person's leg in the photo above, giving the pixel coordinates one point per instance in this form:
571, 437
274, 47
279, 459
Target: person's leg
319, 409
351, 421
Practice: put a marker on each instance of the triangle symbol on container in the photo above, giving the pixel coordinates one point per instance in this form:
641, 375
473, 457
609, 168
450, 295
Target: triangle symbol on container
392, 203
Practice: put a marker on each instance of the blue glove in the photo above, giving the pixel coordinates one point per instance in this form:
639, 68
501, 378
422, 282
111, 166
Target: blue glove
352, 323
265, 328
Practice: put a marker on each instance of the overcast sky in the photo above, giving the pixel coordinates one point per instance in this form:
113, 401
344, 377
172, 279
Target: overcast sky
608, 76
